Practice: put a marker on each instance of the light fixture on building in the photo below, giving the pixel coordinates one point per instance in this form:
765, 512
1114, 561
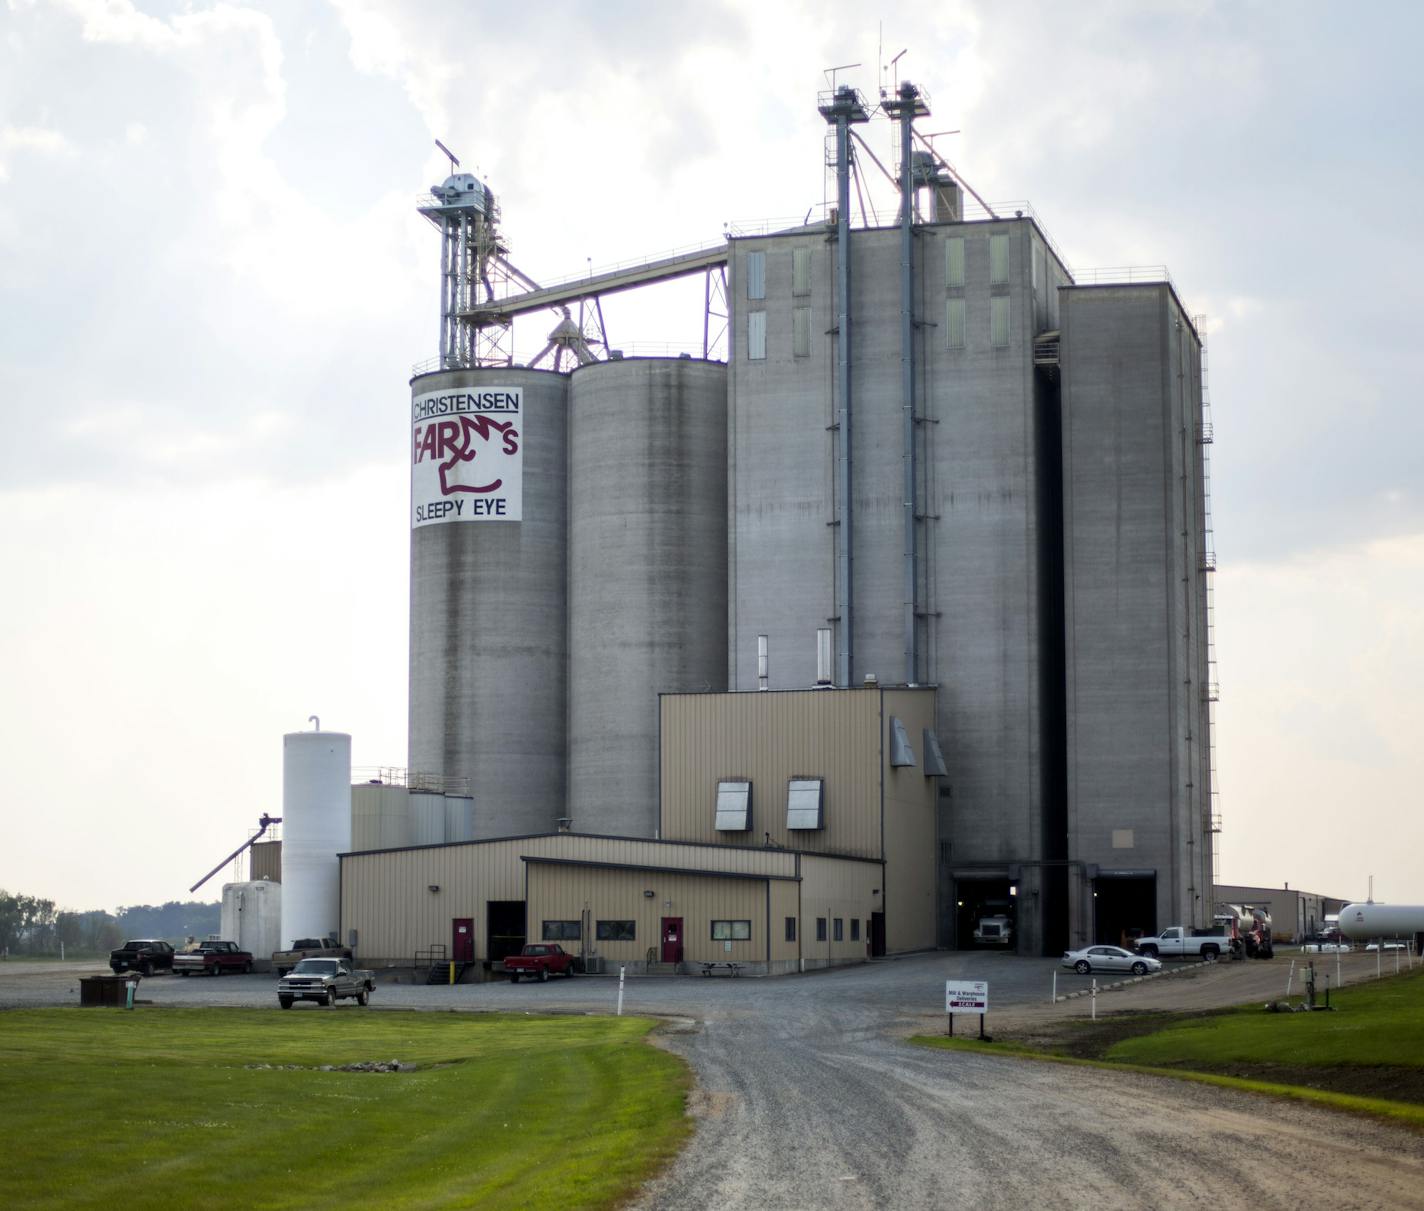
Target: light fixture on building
648, 895
433, 887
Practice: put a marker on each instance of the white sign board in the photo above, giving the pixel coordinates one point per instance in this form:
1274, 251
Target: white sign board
968, 997
466, 460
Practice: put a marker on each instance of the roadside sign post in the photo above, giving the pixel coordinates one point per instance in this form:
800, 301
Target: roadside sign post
970, 996
1093, 996
1054, 998
621, 972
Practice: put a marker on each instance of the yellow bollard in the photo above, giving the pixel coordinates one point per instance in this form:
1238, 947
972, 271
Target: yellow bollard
452, 973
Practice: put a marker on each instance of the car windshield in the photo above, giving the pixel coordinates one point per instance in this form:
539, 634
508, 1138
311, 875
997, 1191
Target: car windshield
316, 967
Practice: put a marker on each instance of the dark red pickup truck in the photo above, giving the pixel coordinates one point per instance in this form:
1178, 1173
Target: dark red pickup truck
212, 959
538, 960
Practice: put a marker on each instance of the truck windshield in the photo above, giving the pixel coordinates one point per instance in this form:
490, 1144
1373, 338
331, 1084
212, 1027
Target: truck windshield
316, 967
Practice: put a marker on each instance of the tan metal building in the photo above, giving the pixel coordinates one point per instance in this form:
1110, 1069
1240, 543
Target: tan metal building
797, 831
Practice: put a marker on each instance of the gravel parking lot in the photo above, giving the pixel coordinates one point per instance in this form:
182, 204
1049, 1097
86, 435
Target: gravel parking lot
808, 1096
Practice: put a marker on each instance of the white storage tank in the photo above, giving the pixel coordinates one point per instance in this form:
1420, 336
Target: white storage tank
427, 818
252, 917
459, 818
316, 826
380, 817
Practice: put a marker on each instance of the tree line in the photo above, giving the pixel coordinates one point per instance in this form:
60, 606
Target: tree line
31, 925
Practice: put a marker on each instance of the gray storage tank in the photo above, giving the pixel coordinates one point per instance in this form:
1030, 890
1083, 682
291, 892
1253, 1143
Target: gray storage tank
647, 572
488, 624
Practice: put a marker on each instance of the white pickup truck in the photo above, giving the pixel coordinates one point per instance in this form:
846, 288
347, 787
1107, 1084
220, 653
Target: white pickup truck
325, 981
1179, 943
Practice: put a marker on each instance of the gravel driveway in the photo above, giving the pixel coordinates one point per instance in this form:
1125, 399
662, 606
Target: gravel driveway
809, 1097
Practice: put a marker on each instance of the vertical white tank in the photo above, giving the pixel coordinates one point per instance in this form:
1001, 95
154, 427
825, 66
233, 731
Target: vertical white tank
427, 818
647, 572
252, 916
316, 826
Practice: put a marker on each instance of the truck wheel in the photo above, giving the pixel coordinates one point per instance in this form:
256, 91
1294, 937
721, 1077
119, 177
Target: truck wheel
146, 969
247, 968
1149, 951
1209, 954
543, 975
184, 972
569, 972
1082, 967
1139, 968
216, 970
514, 977
363, 997
285, 1002
331, 998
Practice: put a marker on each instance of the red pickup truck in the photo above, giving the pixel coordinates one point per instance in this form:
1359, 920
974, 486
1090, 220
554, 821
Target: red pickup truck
212, 959
537, 960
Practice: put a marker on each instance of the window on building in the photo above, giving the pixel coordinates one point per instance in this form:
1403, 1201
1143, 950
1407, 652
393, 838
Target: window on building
954, 323
756, 275
855, 929
805, 803
998, 260
734, 807
839, 925
617, 931
999, 321
791, 929
563, 931
801, 332
756, 336
731, 931
820, 929
954, 261
800, 271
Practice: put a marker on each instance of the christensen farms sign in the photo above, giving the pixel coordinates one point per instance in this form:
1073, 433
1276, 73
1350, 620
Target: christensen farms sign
466, 461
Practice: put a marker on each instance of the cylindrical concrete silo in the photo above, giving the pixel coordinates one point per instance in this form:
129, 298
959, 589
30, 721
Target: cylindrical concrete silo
252, 917
488, 602
316, 826
647, 572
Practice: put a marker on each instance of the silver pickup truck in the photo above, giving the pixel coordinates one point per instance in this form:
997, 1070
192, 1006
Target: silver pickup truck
325, 981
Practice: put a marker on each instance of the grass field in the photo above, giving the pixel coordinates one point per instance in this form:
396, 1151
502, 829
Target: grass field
1367, 1055
229, 1107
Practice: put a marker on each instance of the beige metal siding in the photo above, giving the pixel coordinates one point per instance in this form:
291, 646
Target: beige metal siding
835, 889
266, 861
769, 739
386, 897
561, 893
910, 834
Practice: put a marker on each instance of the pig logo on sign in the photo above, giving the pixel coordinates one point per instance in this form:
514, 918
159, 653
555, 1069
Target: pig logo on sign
459, 442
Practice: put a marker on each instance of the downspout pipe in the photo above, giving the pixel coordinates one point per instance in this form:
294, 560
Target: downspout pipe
905, 108
842, 108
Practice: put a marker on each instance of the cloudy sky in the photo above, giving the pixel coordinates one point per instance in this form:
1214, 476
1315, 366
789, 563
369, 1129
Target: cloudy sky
213, 285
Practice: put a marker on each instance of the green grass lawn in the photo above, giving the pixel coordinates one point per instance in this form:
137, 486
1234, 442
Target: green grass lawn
1367, 1055
172, 1108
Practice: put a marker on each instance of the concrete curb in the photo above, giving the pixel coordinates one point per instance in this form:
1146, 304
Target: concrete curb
1156, 975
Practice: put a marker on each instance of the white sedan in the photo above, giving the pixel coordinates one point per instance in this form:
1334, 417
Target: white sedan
1109, 958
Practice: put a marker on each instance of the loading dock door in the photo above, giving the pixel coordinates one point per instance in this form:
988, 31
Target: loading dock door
877, 934
1124, 907
505, 926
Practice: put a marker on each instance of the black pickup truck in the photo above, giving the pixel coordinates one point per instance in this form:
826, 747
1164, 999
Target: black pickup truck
145, 955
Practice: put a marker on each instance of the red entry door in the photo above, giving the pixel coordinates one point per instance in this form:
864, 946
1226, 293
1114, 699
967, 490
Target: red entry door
463, 938
672, 939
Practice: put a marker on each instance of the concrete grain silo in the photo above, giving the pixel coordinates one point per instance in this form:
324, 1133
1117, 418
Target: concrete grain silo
647, 572
488, 619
